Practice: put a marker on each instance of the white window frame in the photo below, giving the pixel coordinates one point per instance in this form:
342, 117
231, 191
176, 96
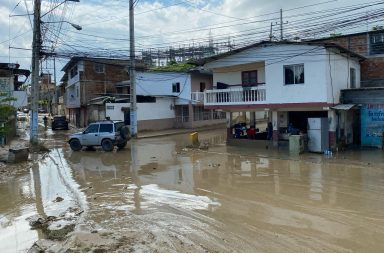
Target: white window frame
295, 69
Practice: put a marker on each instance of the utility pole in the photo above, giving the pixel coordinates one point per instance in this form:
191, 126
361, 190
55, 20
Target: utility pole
36, 45
55, 99
281, 25
132, 70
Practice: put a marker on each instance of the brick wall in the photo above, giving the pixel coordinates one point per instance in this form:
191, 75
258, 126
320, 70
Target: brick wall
372, 74
93, 83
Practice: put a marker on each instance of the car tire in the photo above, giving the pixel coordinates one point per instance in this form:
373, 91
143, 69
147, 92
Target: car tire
125, 133
121, 145
75, 145
107, 145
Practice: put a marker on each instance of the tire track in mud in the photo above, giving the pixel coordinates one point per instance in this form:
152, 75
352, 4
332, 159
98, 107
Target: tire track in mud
67, 180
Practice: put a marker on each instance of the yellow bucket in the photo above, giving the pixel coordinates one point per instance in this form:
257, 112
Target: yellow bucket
194, 137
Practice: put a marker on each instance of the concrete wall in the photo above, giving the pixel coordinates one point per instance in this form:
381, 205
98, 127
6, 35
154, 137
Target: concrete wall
162, 109
338, 75
22, 99
156, 124
232, 75
371, 68
160, 84
197, 79
314, 87
114, 110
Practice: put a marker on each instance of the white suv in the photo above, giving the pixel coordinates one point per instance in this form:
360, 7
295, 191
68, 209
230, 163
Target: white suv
106, 134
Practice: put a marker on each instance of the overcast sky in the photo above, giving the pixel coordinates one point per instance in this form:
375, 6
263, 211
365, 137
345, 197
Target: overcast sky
158, 24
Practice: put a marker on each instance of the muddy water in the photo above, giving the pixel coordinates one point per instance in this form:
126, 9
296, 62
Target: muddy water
165, 198
234, 199
33, 191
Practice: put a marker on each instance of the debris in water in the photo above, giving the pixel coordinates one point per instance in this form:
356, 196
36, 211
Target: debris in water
58, 199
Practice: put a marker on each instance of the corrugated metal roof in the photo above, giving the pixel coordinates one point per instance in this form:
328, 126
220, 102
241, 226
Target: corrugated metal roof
344, 107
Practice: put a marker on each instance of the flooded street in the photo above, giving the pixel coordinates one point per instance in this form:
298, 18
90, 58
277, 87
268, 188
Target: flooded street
157, 196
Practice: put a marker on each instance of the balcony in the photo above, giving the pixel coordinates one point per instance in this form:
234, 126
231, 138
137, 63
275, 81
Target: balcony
197, 97
236, 96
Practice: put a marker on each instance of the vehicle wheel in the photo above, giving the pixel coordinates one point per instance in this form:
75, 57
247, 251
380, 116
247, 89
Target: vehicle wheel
107, 145
75, 145
124, 133
121, 145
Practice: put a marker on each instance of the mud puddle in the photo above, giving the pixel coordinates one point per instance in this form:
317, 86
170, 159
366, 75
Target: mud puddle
42, 187
157, 196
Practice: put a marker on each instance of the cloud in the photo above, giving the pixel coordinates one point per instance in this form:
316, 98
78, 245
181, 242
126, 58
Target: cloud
157, 23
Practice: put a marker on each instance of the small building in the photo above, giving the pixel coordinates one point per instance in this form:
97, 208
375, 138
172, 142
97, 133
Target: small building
88, 79
367, 100
290, 81
11, 86
47, 89
168, 100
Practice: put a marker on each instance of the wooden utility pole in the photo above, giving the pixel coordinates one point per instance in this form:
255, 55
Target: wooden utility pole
36, 48
281, 25
132, 70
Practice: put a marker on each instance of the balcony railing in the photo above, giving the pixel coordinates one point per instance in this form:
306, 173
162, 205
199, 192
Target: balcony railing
235, 96
197, 97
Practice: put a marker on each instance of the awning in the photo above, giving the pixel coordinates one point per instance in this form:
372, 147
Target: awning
343, 107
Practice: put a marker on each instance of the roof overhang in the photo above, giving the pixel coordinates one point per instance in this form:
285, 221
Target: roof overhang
344, 107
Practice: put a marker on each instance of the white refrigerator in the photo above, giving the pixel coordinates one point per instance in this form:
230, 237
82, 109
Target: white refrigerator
317, 134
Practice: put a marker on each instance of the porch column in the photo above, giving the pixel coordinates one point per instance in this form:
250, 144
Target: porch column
332, 119
253, 119
275, 124
229, 125
191, 115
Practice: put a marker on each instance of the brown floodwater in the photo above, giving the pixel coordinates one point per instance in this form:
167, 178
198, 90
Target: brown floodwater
224, 199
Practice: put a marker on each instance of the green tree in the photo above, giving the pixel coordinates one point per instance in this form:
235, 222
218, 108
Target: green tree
6, 110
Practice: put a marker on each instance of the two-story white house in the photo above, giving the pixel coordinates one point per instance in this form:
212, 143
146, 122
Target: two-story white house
291, 81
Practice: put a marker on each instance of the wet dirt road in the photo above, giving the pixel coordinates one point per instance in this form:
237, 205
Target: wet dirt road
156, 196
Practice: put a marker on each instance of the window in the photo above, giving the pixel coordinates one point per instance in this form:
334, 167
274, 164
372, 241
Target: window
176, 87
249, 78
376, 43
92, 129
145, 99
110, 107
352, 75
106, 128
294, 74
74, 72
202, 87
98, 67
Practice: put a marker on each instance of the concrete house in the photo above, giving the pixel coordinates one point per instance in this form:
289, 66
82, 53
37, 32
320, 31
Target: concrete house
11, 80
89, 79
289, 81
170, 100
368, 99
46, 92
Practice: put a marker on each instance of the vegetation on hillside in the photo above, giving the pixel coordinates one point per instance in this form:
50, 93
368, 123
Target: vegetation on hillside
173, 66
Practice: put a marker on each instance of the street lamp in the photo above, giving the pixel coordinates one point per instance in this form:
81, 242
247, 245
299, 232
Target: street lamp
77, 27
